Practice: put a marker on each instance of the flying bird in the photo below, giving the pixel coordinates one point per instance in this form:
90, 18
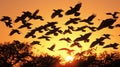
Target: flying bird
51, 24
107, 36
26, 25
72, 20
52, 47
117, 25
67, 31
66, 39
7, 20
35, 16
114, 46
14, 31
92, 28
68, 50
44, 37
54, 31
74, 10
83, 38
76, 44
89, 19
98, 41
81, 28
57, 13
114, 15
35, 42
71, 28
16, 41
106, 23
31, 33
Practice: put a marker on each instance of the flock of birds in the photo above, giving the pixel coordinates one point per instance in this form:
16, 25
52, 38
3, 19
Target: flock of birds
52, 29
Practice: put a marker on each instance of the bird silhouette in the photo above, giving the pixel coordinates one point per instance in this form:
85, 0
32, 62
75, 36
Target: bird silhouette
76, 44
89, 19
114, 15
44, 37
35, 16
14, 31
68, 50
66, 39
83, 37
57, 13
114, 46
72, 20
92, 28
35, 42
52, 47
67, 31
98, 41
22, 18
27, 25
117, 25
106, 23
71, 28
81, 28
54, 31
7, 20
16, 41
107, 36
74, 10
51, 24
31, 33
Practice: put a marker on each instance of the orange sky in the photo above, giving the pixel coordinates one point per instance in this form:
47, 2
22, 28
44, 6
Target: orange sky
14, 8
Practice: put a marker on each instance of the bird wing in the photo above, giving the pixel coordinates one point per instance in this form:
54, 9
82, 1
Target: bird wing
78, 6
90, 18
94, 43
53, 15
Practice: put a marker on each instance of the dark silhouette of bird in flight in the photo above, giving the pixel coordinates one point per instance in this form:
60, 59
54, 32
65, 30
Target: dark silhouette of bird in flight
92, 28
16, 41
44, 37
35, 16
26, 25
71, 28
81, 28
117, 25
54, 31
35, 42
14, 31
74, 10
98, 41
76, 44
106, 23
83, 37
52, 47
67, 31
107, 36
22, 18
68, 50
114, 15
89, 19
7, 20
66, 39
18, 19
51, 24
31, 34
72, 20
114, 46
57, 13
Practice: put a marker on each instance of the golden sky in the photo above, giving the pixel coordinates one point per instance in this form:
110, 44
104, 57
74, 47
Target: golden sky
14, 8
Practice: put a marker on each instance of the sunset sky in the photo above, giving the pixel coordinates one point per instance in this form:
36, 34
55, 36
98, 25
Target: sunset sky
14, 8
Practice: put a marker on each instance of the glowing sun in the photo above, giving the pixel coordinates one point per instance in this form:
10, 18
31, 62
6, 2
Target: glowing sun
69, 58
